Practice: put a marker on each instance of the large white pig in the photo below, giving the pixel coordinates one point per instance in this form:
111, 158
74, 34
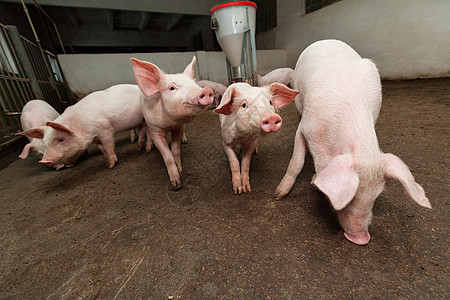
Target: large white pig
94, 119
168, 102
247, 112
281, 75
35, 114
339, 102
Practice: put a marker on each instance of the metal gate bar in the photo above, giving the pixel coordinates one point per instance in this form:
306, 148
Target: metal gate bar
45, 76
14, 89
26, 70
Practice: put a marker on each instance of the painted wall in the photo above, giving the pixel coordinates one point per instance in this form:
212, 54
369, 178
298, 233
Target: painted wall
86, 73
406, 38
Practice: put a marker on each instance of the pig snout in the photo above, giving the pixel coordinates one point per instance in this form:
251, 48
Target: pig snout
50, 163
271, 123
206, 96
47, 162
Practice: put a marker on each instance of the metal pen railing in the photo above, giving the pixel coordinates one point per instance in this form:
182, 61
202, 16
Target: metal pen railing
26, 72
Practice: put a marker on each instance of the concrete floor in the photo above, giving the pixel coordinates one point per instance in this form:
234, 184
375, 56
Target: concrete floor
91, 232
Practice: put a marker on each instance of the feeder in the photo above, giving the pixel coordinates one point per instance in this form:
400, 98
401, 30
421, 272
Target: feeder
234, 25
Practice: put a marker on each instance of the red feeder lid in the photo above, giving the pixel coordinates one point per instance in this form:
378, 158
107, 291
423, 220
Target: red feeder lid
232, 3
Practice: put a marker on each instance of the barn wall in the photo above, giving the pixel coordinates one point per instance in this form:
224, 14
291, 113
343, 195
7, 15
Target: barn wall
406, 38
86, 73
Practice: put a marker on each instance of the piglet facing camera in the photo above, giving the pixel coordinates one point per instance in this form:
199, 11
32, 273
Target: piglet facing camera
247, 112
168, 102
339, 104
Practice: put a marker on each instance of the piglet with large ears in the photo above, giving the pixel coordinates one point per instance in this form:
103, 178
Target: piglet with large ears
168, 102
94, 119
247, 112
339, 105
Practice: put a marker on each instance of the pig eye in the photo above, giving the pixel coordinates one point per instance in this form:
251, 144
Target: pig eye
244, 104
270, 102
172, 87
60, 140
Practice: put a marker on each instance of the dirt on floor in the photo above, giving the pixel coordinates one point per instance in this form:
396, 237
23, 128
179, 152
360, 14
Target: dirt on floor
91, 232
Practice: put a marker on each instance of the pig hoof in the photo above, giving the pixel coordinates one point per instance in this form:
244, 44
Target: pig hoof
237, 190
358, 238
148, 149
176, 186
245, 184
237, 185
280, 194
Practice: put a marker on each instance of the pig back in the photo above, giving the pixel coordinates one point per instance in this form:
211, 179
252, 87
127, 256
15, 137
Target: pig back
117, 107
340, 97
336, 83
125, 108
36, 113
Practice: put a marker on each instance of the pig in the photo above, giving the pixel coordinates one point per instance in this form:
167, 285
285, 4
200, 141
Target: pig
339, 102
282, 75
168, 102
94, 119
218, 88
246, 113
35, 114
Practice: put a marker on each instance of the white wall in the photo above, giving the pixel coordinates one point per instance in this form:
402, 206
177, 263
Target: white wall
406, 38
86, 73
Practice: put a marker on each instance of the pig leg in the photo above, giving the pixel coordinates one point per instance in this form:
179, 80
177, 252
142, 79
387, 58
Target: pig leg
184, 138
176, 141
100, 146
299, 105
159, 138
256, 147
133, 136
26, 150
141, 137
149, 143
245, 165
295, 166
106, 145
235, 169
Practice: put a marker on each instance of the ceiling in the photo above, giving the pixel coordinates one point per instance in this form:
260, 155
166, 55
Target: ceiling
111, 26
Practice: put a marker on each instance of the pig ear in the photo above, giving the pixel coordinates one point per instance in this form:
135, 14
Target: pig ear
26, 150
60, 127
189, 71
281, 95
37, 133
396, 168
338, 181
226, 104
147, 76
